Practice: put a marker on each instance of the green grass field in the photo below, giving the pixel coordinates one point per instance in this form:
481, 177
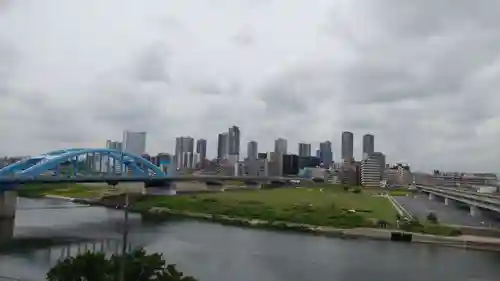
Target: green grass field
314, 206
68, 190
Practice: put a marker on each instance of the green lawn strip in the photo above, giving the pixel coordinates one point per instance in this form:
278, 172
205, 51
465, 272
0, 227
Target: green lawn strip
300, 205
68, 190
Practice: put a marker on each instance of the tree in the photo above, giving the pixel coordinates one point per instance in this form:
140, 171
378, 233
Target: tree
138, 266
431, 217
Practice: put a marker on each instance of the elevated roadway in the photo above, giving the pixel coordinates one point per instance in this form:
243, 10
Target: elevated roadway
476, 201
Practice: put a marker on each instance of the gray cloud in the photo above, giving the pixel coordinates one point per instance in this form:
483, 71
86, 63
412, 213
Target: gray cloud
420, 75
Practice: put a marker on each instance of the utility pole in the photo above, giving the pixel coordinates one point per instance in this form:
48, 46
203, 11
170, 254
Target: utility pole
124, 237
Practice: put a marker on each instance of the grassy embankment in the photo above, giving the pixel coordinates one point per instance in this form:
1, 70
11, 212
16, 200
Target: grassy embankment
68, 190
325, 205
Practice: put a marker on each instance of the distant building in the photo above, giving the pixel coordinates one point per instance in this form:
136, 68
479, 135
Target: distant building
290, 164
256, 168
372, 169
234, 141
304, 149
183, 146
114, 145
201, 149
326, 154
280, 146
349, 173
112, 162
222, 146
309, 162
252, 150
347, 146
262, 155
368, 145
134, 142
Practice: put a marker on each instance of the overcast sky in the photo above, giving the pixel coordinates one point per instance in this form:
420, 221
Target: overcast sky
422, 76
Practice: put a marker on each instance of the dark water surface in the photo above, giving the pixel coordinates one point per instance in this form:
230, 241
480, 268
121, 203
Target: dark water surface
213, 252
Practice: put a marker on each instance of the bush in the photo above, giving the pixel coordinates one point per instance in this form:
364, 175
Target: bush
97, 267
357, 190
432, 218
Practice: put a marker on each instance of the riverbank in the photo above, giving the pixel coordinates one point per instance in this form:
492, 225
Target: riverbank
388, 234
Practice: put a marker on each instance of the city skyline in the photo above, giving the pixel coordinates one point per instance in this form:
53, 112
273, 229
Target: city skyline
171, 72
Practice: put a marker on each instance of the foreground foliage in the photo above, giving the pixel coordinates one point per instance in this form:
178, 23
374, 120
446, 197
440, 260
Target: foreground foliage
139, 266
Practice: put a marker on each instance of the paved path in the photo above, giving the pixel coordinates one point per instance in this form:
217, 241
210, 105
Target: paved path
421, 206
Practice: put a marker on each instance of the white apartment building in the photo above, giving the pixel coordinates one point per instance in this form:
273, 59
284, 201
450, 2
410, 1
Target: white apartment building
372, 169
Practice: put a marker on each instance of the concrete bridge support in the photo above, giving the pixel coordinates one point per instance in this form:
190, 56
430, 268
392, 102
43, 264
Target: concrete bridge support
447, 201
8, 203
432, 196
6, 231
475, 211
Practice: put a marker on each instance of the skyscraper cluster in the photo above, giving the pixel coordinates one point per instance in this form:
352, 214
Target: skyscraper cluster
279, 162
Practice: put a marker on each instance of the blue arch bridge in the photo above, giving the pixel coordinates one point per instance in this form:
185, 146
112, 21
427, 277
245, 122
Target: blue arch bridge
87, 165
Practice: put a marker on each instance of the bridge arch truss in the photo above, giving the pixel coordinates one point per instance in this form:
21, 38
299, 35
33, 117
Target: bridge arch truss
99, 160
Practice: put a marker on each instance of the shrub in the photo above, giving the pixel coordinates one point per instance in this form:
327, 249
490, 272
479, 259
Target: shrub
357, 190
431, 217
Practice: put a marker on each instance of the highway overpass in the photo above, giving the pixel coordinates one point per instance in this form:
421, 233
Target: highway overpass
475, 201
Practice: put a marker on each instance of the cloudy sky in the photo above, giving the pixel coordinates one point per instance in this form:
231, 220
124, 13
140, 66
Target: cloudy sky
422, 76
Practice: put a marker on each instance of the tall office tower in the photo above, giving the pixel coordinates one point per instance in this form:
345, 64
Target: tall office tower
201, 149
280, 146
304, 149
252, 150
368, 145
347, 146
183, 145
222, 146
326, 154
134, 142
234, 141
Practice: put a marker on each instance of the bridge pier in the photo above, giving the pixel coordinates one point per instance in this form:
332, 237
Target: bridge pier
432, 196
475, 211
447, 201
6, 230
8, 203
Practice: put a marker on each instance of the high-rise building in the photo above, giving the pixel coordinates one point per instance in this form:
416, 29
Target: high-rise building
114, 145
326, 154
368, 145
304, 149
252, 150
290, 164
222, 146
234, 141
372, 169
183, 145
280, 146
134, 142
347, 146
112, 162
201, 149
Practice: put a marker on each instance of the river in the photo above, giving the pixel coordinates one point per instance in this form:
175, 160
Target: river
214, 252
